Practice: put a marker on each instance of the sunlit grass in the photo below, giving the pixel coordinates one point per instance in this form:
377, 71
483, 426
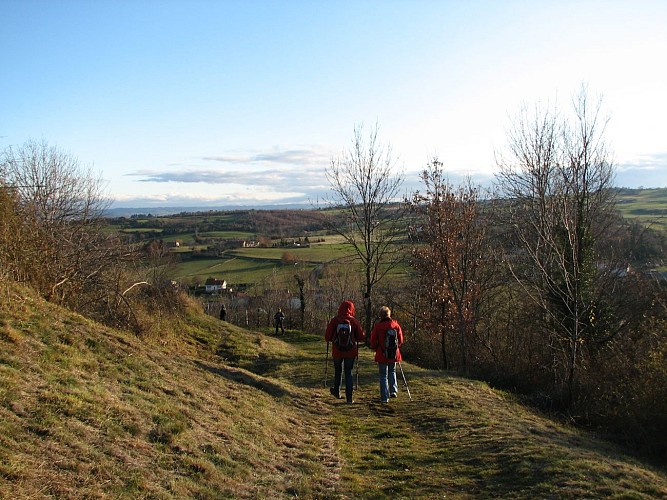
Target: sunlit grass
205, 409
647, 206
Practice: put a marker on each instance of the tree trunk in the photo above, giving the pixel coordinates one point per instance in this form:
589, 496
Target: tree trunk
445, 362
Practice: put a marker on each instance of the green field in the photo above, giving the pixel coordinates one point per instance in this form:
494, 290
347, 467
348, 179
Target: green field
313, 254
142, 230
234, 270
648, 206
253, 265
228, 235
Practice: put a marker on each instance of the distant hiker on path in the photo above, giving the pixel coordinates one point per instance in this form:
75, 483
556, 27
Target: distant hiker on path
223, 312
278, 319
344, 332
386, 339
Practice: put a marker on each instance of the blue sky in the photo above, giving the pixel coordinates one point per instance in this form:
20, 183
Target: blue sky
217, 103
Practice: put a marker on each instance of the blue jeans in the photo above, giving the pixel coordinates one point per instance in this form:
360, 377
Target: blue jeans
388, 384
348, 364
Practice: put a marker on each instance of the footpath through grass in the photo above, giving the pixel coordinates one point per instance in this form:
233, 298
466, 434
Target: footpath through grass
455, 438
208, 410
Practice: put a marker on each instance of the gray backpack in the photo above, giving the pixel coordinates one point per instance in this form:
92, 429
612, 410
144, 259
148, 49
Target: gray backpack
344, 338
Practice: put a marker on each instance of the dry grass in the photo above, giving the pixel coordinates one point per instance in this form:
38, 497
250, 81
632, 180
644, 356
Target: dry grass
209, 410
87, 411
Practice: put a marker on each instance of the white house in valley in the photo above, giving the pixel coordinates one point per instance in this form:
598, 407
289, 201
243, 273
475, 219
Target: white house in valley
215, 285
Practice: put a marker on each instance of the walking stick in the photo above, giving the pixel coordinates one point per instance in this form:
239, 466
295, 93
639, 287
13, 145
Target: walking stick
357, 387
326, 365
406, 382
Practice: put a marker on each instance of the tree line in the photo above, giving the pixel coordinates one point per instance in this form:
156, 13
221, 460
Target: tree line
271, 224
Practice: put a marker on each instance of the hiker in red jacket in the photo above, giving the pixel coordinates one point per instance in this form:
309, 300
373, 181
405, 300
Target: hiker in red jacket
386, 339
344, 332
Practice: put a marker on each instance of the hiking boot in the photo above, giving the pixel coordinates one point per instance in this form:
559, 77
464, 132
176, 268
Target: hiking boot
334, 393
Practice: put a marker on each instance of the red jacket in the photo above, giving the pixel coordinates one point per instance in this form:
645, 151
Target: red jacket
345, 311
378, 336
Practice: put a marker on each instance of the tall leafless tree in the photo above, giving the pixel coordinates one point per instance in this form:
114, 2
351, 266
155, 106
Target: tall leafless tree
557, 178
365, 186
449, 255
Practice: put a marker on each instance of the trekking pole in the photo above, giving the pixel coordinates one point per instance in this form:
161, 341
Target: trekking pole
406, 382
357, 388
326, 365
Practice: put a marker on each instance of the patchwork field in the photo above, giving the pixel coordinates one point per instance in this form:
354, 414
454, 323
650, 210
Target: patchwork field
200, 233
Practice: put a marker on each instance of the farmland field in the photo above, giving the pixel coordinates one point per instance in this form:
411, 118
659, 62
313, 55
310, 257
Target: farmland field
234, 270
252, 265
197, 232
648, 206
320, 253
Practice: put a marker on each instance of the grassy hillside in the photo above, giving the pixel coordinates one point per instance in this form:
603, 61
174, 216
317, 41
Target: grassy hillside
208, 410
86, 411
648, 206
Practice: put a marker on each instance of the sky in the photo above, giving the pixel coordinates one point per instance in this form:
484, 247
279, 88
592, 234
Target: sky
246, 102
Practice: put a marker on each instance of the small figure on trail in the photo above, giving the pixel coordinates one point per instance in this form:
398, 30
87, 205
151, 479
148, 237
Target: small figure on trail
223, 312
386, 339
278, 319
344, 332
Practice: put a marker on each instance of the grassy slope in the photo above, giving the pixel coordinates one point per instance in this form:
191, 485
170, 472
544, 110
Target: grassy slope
648, 206
220, 412
87, 411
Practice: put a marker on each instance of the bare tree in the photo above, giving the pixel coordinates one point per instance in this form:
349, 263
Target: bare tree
365, 187
557, 179
449, 256
60, 205
14, 258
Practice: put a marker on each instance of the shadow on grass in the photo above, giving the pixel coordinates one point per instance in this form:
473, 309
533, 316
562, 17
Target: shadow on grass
248, 378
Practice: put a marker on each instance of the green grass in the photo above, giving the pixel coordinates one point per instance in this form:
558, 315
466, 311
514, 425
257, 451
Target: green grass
141, 230
205, 409
228, 235
234, 270
253, 265
317, 253
648, 206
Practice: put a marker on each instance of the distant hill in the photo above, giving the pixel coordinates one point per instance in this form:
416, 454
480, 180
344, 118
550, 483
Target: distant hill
205, 409
627, 197
160, 211
648, 206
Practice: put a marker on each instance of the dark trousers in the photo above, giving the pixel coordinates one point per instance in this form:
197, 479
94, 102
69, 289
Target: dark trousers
348, 365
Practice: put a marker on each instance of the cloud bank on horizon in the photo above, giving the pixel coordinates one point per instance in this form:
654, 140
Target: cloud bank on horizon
296, 177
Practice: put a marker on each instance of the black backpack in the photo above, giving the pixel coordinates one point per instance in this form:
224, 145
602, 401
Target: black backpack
390, 343
344, 338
